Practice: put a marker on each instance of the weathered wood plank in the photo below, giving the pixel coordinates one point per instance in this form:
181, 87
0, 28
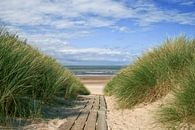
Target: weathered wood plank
80, 122
91, 117
70, 120
102, 103
101, 122
69, 124
73, 116
97, 102
91, 121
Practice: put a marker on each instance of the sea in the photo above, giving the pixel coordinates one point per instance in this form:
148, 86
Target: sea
95, 70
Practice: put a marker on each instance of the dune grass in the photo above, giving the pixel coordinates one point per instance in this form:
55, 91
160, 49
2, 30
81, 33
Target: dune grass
181, 111
155, 74
29, 79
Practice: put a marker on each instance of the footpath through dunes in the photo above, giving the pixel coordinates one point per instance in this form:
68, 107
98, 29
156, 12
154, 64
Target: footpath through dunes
139, 118
86, 112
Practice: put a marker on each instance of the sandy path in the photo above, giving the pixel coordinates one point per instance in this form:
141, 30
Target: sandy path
95, 88
57, 114
95, 84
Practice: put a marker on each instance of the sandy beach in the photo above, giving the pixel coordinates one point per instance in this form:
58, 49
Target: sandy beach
95, 84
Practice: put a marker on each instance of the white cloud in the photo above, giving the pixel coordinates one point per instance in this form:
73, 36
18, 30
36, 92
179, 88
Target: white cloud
149, 13
72, 13
39, 12
51, 24
72, 55
189, 3
97, 51
106, 8
122, 29
183, 2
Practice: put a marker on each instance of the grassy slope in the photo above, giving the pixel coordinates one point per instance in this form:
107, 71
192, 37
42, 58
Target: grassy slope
157, 73
29, 79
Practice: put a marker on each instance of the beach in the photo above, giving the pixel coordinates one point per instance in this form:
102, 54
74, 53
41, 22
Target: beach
95, 84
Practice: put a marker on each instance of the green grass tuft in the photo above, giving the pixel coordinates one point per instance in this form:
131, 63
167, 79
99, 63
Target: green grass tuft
29, 79
182, 109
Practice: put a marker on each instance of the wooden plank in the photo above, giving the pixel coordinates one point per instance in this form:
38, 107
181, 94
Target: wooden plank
70, 120
69, 124
97, 102
102, 103
91, 121
101, 122
91, 117
80, 122
73, 116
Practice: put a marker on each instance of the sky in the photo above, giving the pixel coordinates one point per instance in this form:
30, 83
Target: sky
97, 32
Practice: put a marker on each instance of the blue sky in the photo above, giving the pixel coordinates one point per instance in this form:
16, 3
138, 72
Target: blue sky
98, 32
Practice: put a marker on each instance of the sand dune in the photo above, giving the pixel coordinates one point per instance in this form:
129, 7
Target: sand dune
139, 118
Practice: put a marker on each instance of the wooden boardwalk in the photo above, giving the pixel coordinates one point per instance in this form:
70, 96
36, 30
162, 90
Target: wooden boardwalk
92, 116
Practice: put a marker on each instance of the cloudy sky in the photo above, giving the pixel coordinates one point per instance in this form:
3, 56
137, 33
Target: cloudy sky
90, 32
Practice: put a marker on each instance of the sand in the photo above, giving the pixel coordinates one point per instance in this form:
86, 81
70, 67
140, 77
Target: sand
50, 125
57, 114
95, 84
139, 118
142, 117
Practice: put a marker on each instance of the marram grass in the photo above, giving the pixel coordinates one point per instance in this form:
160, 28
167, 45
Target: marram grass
181, 111
29, 79
157, 73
